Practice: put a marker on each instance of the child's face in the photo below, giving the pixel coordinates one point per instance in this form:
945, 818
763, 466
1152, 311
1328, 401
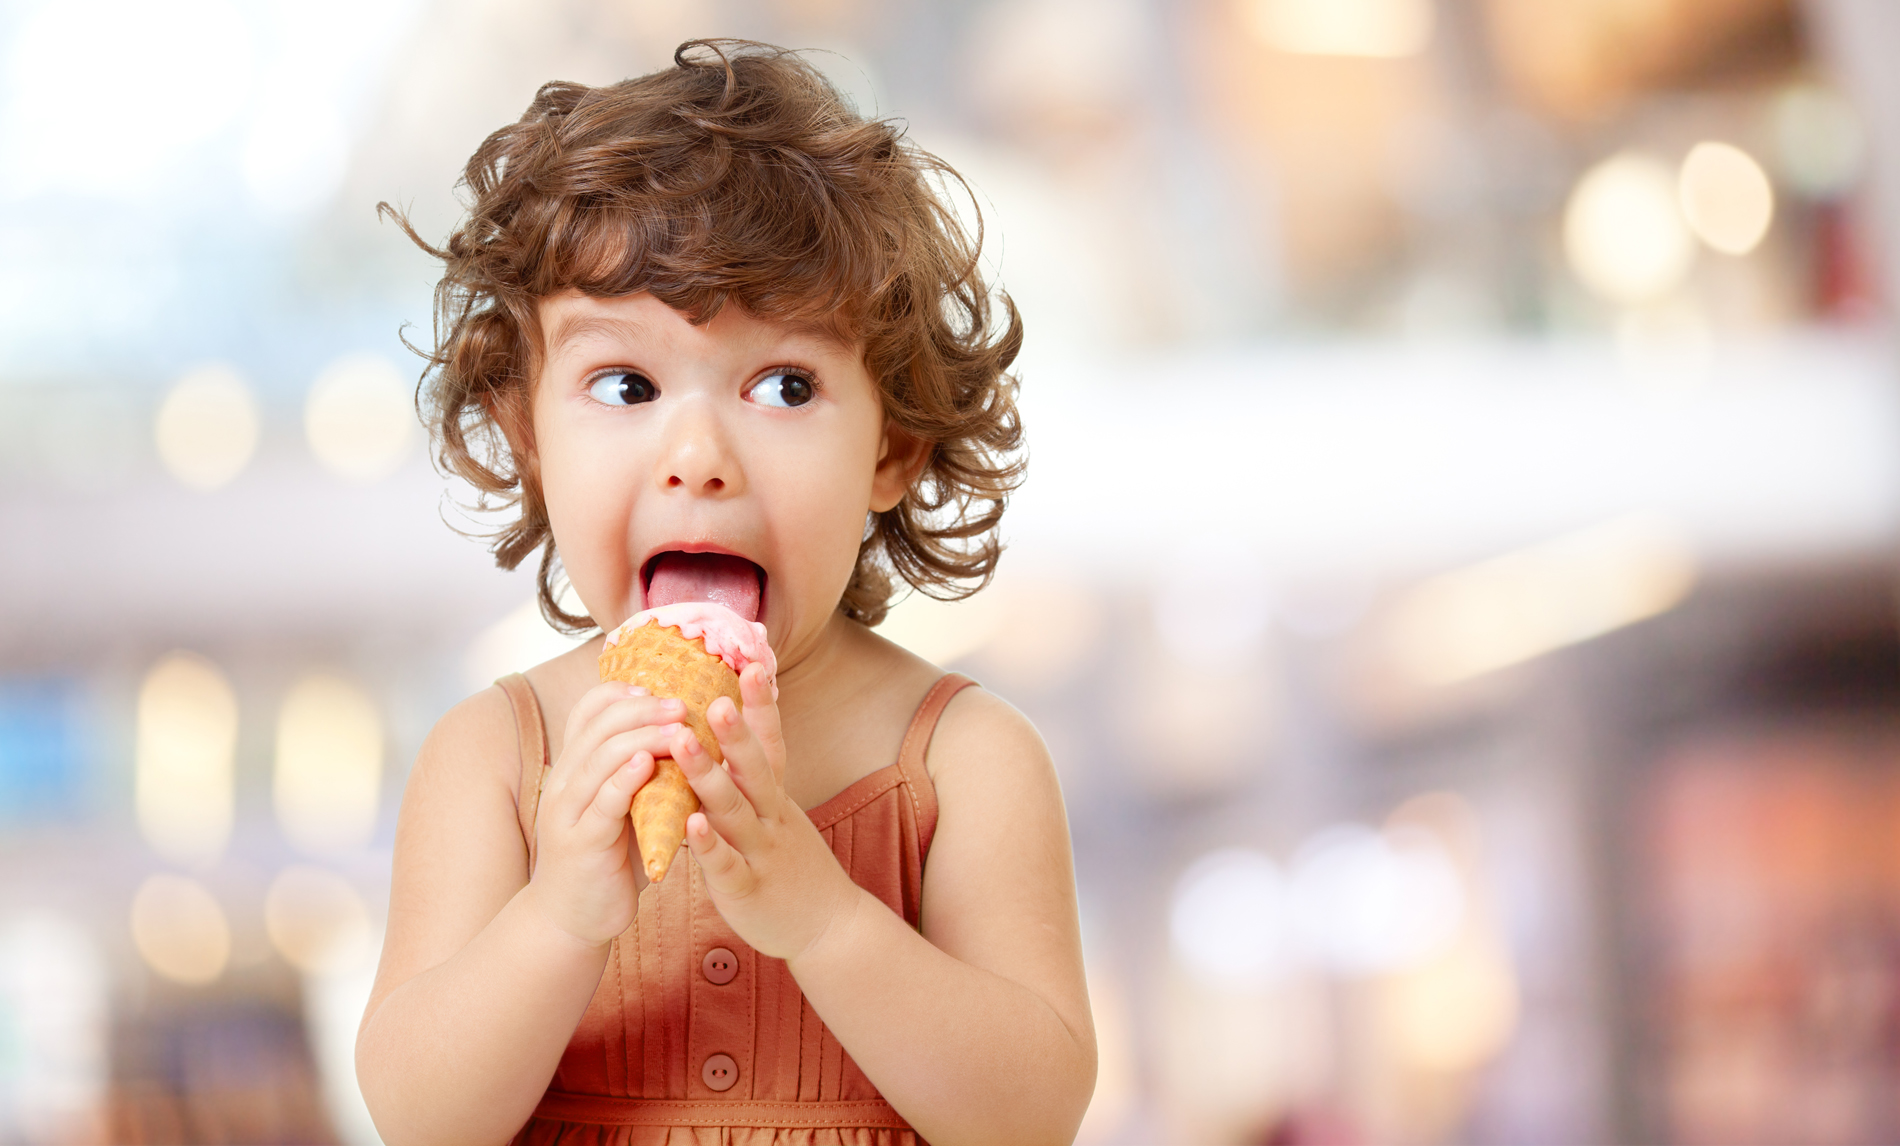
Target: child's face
741, 436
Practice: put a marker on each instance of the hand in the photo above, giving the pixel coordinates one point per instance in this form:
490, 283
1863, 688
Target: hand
771, 875
585, 879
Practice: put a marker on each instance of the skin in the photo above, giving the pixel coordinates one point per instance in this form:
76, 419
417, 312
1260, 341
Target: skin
976, 1030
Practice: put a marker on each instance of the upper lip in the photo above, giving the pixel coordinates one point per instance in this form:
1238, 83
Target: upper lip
646, 562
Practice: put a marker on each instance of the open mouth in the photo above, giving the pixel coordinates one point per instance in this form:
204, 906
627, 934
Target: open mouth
722, 578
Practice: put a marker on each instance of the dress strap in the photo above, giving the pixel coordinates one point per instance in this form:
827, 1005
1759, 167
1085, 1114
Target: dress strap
614, 1110
910, 757
534, 753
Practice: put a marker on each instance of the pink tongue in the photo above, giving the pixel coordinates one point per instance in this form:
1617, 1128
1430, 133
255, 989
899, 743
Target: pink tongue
716, 577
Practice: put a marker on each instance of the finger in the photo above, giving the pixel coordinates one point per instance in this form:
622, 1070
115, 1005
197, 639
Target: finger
605, 816
620, 711
725, 868
595, 701
745, 757
760, 692
568, 792
725, 805
622, 714
654, 740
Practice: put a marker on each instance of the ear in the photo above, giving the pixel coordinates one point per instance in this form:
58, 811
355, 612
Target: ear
900, 458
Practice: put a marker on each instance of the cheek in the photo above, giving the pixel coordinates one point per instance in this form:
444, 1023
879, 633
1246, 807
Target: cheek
584, 485
822, 504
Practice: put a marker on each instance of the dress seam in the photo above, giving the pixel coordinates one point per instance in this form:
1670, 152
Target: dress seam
863, 802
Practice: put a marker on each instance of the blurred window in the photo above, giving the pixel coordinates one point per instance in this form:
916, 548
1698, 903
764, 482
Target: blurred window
42, 757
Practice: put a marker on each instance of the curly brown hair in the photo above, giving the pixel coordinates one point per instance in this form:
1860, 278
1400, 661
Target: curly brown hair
739, 175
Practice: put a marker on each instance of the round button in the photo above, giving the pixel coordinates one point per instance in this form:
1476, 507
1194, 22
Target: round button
721, 966
720, 1072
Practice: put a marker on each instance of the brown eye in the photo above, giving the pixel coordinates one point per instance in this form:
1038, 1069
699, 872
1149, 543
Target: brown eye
783, 390
624, 389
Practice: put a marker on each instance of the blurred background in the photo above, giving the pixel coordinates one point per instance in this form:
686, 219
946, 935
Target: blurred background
1513, 381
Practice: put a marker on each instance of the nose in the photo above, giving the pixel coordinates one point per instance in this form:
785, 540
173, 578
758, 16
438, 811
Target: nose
699, 458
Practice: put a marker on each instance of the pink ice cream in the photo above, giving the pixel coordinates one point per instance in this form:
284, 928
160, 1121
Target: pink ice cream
728, 636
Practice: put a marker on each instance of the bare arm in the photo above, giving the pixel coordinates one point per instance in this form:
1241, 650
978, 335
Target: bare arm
977, 1030
485, 974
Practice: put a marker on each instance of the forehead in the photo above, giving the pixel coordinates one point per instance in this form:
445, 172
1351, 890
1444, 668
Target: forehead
575, 324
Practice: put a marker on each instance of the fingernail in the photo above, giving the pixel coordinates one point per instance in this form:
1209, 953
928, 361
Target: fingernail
635, 690
673, 706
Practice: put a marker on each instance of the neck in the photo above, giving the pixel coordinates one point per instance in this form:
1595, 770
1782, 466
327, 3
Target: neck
830, 655
826, 676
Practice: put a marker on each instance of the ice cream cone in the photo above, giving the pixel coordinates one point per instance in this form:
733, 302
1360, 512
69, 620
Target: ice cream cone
668, 664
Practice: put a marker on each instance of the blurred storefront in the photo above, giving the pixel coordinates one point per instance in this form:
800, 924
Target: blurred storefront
1456, 577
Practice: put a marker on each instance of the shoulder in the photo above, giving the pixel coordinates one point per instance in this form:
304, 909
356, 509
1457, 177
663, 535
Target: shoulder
477, 719
979, 726
982, 744
476, 741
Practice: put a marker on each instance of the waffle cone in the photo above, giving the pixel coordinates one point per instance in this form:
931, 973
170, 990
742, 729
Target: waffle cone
669, 665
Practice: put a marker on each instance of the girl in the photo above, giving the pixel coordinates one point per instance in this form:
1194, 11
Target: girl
712, 336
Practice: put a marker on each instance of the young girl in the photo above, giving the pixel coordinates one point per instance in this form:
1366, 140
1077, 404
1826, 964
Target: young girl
714, 337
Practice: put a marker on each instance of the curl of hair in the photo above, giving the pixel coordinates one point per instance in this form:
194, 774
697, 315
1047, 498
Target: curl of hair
737, 176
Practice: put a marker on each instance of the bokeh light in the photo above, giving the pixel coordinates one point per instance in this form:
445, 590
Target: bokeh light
1726, 197
517, 642
327, 784
180, 929
317, 921
207, 428
944, 631
53, 1012
1623, 233
1525, 604
1820, 143
186, 741
1228, 919
1050, 629
1377, 28
1365, 901
1455, 1011
359, 419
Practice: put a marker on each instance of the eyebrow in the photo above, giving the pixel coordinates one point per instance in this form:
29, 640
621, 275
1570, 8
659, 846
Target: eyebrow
577, 327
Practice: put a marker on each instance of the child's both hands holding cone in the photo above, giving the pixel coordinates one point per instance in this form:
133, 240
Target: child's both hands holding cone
750, 835
691, 651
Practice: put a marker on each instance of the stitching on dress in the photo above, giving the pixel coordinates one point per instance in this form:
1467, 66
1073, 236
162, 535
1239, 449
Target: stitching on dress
826, 1117
862, 802
903, 750
615, 954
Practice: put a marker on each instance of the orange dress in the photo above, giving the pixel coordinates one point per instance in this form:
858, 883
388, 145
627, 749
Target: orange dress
694, 1038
